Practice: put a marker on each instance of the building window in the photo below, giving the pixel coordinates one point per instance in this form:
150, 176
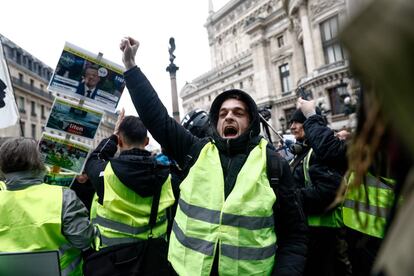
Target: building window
20, 104
241, 85
42, 111
288, 115
337, 96
18, 58
31, 83
42, 87
33, 108
22, 128
20, 78
33, 131
331, 48
285, 78
280, 41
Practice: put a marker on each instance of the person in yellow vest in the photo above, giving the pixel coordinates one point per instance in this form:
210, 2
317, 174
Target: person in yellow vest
133, 192
234, 217
318, 166
370, 197
36, 216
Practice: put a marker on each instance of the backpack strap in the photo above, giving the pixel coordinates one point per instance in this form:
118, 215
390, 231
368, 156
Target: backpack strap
273, 167
154, 209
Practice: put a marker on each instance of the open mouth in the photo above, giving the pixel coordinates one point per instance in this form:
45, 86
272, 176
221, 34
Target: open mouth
230, 132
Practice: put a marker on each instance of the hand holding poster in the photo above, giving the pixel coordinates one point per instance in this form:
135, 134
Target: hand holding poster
84, 75
9, 113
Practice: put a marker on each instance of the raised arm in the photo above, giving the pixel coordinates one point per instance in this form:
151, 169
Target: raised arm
327, 147
175, 139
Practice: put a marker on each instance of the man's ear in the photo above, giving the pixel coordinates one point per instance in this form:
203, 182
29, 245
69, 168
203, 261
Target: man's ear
146, 141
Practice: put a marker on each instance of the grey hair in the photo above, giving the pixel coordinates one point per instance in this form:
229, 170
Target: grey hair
20, 154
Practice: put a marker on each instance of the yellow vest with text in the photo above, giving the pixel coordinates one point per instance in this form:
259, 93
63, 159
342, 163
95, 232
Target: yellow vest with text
367, 206
124, 215
240, 228
332, 218
31, 220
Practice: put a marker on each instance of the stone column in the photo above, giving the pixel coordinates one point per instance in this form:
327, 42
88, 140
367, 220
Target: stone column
307, 39
262, 68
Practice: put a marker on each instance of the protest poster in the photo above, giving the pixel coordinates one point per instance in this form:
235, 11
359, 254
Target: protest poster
66, 154
64, 179
70, 117
9, 114
84, 75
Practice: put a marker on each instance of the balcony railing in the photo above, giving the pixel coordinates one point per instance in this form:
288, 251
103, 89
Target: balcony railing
330, 66
21, 84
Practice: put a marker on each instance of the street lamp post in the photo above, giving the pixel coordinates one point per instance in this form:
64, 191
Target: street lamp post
172, 69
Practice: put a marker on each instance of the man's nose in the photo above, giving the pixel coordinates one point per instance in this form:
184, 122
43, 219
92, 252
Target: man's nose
229, 116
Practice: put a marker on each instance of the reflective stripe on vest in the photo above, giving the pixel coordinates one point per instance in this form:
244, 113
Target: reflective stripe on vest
367, 206
241, 227
332, 218
70, 265
124, 215
204, 214
43, 203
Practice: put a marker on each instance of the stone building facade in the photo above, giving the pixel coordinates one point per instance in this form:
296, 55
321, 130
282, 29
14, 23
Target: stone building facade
269, 48
30, 78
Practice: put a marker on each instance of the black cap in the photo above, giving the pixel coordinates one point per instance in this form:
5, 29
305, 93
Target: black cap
300, 118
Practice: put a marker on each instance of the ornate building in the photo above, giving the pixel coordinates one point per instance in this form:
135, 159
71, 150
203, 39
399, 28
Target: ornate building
269, 48
30, 78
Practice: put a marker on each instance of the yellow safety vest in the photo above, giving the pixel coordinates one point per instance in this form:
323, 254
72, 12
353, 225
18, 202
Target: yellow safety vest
31, 220
367, 206
240, 227
124, 215
332, 218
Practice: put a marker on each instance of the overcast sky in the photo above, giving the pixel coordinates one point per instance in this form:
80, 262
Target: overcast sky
41, 27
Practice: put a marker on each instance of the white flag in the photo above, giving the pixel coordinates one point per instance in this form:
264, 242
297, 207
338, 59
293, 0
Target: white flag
9, 113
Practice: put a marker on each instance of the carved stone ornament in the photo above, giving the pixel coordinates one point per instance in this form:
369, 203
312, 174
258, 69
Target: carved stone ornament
320, 6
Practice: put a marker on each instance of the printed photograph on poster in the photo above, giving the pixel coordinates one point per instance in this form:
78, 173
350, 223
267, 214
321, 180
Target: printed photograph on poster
60, 179
82, 74
69, 117
66, 154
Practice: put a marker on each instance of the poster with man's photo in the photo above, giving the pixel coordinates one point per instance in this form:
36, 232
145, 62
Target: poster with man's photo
84, 75
65, 154
71, 118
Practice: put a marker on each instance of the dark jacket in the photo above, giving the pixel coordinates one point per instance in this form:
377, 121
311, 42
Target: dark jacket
327, 165
183, 147
135, 168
